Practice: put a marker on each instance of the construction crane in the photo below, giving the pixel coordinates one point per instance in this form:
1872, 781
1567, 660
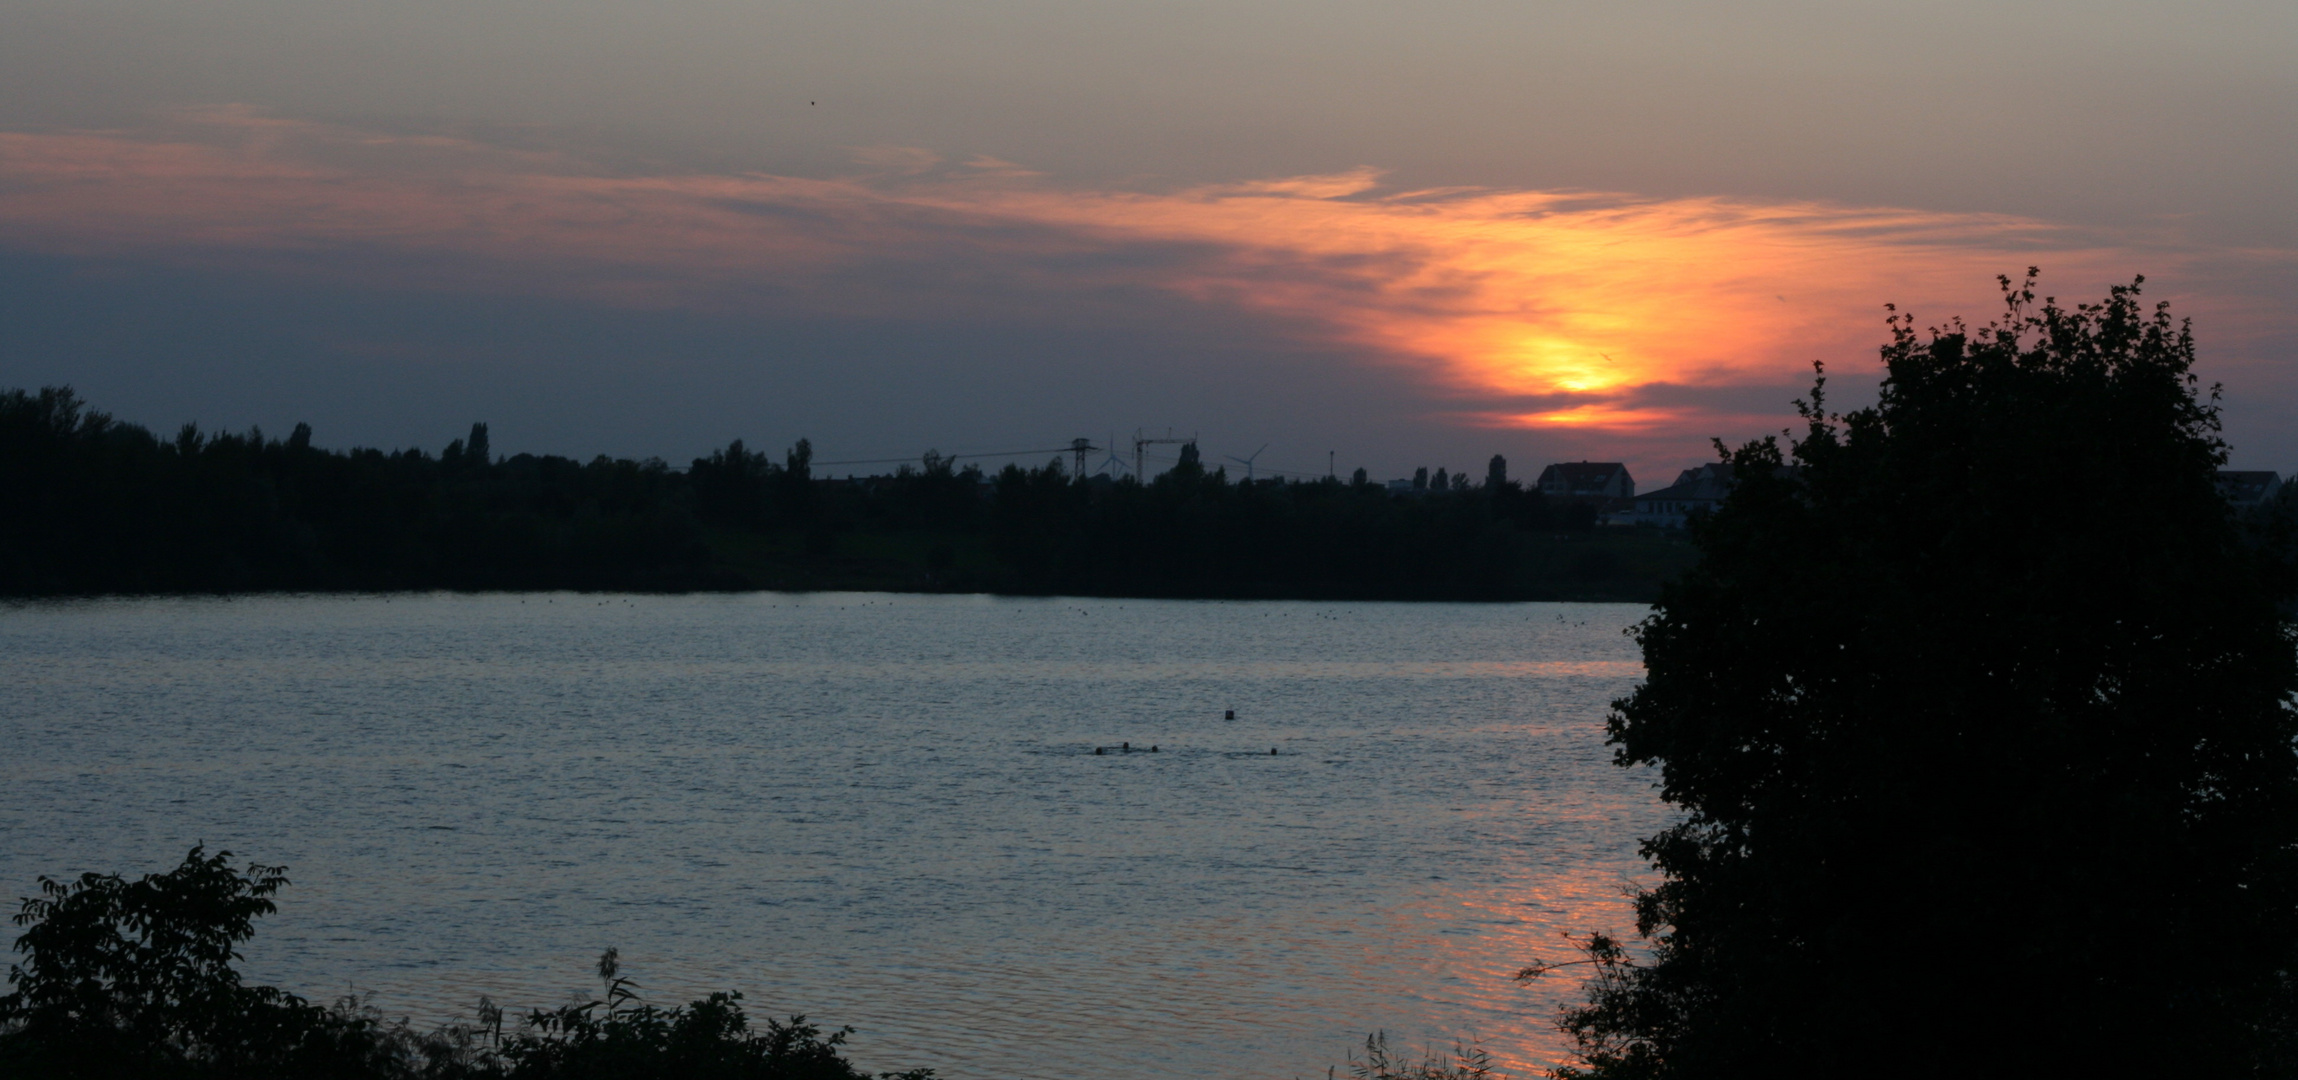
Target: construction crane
1140, 441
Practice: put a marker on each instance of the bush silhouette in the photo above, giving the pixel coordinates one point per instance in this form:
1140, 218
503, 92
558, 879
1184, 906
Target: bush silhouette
126, 979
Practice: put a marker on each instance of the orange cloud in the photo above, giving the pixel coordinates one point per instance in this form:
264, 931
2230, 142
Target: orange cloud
1575, 298
1529, 308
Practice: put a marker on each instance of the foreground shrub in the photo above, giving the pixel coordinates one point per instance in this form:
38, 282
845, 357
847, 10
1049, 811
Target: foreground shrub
127, 978
1380, 1063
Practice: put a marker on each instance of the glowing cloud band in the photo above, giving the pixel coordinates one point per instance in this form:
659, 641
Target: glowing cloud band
1527, 308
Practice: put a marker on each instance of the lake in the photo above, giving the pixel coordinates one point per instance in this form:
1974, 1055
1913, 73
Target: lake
878, 810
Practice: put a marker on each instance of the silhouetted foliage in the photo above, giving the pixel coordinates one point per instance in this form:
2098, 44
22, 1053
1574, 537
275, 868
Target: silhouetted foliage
1980, 721
95, 506
98, 506
134, 979
1380, 1063
124, 979
709, 1039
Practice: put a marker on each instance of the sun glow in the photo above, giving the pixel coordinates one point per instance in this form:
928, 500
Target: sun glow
1526, 308
1579, 298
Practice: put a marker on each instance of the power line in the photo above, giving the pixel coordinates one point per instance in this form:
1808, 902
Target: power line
945, 457
1141, 454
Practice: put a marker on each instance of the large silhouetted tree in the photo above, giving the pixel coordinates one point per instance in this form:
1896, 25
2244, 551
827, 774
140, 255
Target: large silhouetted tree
1978, 710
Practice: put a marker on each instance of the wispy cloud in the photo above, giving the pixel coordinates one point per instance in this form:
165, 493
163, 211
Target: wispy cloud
1598, 311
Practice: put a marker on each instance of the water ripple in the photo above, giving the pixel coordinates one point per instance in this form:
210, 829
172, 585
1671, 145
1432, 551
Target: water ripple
882, 811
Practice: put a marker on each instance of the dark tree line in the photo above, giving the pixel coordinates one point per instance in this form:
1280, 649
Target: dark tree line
94, 505
98, 506
1191, 532
2008, 790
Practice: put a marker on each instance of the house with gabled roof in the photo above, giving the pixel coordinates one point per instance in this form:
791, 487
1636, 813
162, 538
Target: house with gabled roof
2247, 489
1587, 480
1696, 491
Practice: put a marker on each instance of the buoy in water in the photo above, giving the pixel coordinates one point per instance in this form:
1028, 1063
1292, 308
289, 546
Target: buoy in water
1097, 751
1230, 715
1272, 751
1152, 748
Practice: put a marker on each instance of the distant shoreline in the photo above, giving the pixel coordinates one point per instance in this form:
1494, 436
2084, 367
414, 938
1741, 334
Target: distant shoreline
100, 508
17, 599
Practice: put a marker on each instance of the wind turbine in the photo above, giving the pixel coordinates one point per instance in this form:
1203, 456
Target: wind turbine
1114, 466
1247, 462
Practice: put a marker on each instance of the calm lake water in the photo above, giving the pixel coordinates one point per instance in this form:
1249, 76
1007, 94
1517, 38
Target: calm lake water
878, 810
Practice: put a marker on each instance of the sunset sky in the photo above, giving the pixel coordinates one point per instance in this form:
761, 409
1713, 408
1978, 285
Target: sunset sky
1409, 234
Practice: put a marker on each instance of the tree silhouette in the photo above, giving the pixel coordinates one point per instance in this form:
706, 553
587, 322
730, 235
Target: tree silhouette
1978, 710
476, 447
